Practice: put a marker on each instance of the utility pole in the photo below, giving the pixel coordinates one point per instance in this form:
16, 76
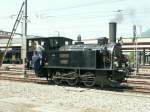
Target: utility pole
134, 36
24, 38
26, 18
135, 53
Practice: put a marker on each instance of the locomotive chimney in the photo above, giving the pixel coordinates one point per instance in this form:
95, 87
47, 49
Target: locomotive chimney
79, 38
112, 32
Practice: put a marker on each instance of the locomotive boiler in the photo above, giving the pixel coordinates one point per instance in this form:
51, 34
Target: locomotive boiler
101, 64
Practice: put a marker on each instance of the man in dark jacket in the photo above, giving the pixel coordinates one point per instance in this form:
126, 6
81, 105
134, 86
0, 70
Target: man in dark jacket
36, 61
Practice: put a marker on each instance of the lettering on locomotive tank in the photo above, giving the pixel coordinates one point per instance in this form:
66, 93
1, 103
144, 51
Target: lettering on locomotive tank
53, 55
64, 62
64, 55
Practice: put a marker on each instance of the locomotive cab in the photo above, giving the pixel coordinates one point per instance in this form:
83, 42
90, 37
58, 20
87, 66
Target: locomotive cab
48, 44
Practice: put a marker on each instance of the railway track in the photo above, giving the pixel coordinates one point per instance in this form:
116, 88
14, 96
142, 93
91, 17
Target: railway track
23, 79
140, 84
140, 90
133, 84
18, 75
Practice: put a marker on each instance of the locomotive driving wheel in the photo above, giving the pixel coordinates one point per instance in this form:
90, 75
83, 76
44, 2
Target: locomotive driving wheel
88, 79
57, 77
72, 78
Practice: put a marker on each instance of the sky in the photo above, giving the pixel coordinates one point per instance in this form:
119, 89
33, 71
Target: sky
69, 18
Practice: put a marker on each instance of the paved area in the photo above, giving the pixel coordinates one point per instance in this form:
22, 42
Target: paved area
29, 97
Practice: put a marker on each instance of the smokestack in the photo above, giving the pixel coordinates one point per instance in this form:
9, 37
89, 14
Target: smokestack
79, 38
112, 32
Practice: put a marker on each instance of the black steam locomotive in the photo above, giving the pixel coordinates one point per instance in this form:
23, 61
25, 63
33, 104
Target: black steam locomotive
102, 63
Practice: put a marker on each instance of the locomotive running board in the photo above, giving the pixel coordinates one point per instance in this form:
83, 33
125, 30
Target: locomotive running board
79, 68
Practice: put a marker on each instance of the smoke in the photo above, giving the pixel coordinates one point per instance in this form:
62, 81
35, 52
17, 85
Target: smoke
133, 16
121, 14
132, 12
119, 17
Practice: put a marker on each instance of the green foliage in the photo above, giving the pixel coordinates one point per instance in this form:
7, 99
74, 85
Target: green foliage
131, 57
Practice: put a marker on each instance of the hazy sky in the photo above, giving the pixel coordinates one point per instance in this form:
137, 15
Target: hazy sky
89, 18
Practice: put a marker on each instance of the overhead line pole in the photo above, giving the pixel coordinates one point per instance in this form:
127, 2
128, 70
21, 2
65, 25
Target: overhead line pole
135, 50
24, 38
26, 17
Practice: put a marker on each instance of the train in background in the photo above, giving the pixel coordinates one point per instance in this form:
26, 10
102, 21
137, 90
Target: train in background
13, 56
101, 64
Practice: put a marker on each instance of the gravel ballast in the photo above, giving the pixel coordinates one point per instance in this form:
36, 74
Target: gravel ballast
29, 97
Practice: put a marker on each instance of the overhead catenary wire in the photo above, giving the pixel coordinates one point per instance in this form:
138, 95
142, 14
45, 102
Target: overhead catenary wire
79, 6
42, 12
66, 8
98, 14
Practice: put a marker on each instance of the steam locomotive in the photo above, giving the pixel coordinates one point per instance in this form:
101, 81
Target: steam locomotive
90, 64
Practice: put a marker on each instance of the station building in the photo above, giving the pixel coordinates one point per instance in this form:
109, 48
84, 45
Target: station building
14, 51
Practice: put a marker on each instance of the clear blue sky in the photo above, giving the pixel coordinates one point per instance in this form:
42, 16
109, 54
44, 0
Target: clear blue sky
89, 18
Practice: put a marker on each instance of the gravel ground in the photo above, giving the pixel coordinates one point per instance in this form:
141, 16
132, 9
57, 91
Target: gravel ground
28, 97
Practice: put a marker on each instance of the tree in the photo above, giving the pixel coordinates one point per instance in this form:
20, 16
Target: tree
132, 58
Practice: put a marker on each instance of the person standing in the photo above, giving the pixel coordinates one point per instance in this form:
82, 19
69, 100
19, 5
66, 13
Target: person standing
37, 57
